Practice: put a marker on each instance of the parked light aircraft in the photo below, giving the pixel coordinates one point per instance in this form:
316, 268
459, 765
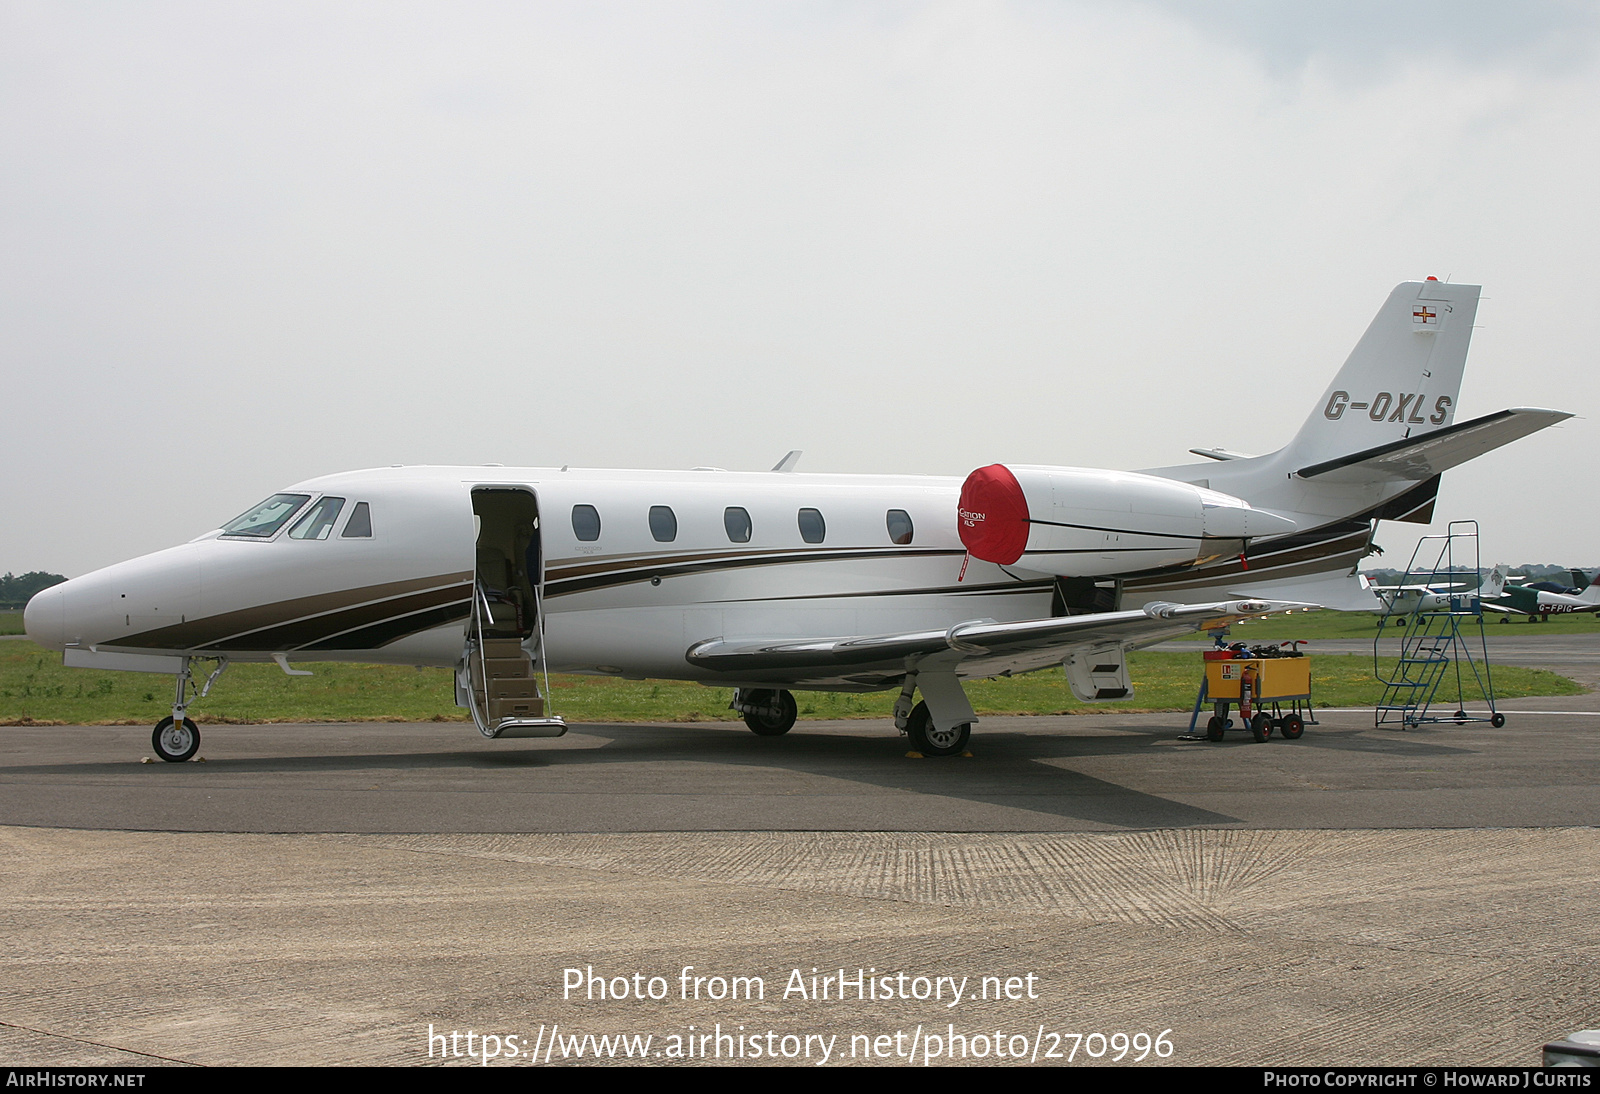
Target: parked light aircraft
1437, 596
1534, 603
767, 582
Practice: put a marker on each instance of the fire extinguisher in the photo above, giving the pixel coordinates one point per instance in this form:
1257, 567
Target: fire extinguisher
1247, 687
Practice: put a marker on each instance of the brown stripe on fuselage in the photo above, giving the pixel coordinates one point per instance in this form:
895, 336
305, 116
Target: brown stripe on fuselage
303, 632
566, 569
392, 630
211, 630
1258, 573
1295, 561
1009, 589
636, 571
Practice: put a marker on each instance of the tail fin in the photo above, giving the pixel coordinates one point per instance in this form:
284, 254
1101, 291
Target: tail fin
1493, 585
1591, 593
1402, 378
1373, 448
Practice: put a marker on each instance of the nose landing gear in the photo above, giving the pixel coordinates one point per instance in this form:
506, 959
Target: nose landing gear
176, 742
176, 739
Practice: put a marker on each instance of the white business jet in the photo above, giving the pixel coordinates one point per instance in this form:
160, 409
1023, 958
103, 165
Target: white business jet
772, 581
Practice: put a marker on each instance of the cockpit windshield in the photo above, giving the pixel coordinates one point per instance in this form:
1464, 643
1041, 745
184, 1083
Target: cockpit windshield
318, 521
264, 520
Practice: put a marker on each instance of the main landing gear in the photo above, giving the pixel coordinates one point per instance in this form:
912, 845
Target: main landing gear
768, 713
944, 691
176, 739
930, 740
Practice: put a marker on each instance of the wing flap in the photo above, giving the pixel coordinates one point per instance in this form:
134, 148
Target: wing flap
982, 645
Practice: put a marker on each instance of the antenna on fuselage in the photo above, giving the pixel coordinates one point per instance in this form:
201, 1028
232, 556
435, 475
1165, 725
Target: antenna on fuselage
788, 462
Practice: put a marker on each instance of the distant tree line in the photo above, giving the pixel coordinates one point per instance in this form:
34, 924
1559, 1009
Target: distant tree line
16, 591
1530, 571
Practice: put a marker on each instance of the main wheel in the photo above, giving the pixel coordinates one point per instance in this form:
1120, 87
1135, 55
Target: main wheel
1261, 726
778, 716
931, 741
1214, 728
1292, 727
176, 743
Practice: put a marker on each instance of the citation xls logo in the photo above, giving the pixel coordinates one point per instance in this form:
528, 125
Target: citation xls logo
969, 518
1397, 408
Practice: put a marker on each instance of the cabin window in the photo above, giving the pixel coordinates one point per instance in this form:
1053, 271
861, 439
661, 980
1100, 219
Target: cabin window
318, 521
737, 522
663, 523
812, 527
900, 530
264, 520
586, 523
359, 526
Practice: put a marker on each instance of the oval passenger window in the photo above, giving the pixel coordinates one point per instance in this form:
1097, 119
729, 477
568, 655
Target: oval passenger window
663, 523
812, 527
586, 523
900, 529
737, 522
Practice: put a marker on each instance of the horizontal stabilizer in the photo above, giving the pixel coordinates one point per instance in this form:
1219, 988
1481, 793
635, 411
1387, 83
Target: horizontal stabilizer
1219, 454
1419, 458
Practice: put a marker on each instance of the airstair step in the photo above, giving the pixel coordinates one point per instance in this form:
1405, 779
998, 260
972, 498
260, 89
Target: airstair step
503, 647
507, 668
527, 707
526, 688
552, 726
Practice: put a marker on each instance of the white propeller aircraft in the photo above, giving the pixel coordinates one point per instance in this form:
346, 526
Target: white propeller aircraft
767, 582
1439, 596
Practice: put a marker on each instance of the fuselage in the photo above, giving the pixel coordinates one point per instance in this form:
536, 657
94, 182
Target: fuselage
632, 567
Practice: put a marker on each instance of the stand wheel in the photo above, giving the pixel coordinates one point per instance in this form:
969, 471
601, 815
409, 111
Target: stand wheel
1292, 727
1498, 720
1261, 726
176, 743
1214, 729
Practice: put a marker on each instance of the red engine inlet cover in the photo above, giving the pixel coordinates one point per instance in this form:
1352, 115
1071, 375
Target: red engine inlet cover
993, 515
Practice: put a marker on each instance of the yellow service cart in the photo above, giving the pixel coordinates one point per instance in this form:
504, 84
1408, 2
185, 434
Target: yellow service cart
1262, 677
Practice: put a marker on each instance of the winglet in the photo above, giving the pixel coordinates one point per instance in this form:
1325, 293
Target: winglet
788, 462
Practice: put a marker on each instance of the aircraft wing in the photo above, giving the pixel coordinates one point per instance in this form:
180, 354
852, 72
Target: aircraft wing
976, 648
1418, 459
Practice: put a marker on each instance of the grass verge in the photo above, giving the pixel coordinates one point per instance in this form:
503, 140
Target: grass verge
36, 689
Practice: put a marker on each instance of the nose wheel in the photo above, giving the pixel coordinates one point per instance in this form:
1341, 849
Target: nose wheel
176, 742
177, 739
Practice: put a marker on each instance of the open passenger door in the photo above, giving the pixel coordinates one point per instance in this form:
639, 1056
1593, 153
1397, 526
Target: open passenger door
503, 659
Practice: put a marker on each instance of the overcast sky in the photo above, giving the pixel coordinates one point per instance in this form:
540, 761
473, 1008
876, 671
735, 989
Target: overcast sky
244, 244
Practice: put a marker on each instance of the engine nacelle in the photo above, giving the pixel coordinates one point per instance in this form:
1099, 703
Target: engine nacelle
1079, 522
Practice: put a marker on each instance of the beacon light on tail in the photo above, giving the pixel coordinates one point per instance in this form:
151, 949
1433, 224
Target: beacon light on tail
1076, 522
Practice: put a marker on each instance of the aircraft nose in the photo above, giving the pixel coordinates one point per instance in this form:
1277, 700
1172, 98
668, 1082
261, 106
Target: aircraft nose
45, 617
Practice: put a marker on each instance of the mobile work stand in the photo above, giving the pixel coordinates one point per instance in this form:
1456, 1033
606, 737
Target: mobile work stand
1438, 640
